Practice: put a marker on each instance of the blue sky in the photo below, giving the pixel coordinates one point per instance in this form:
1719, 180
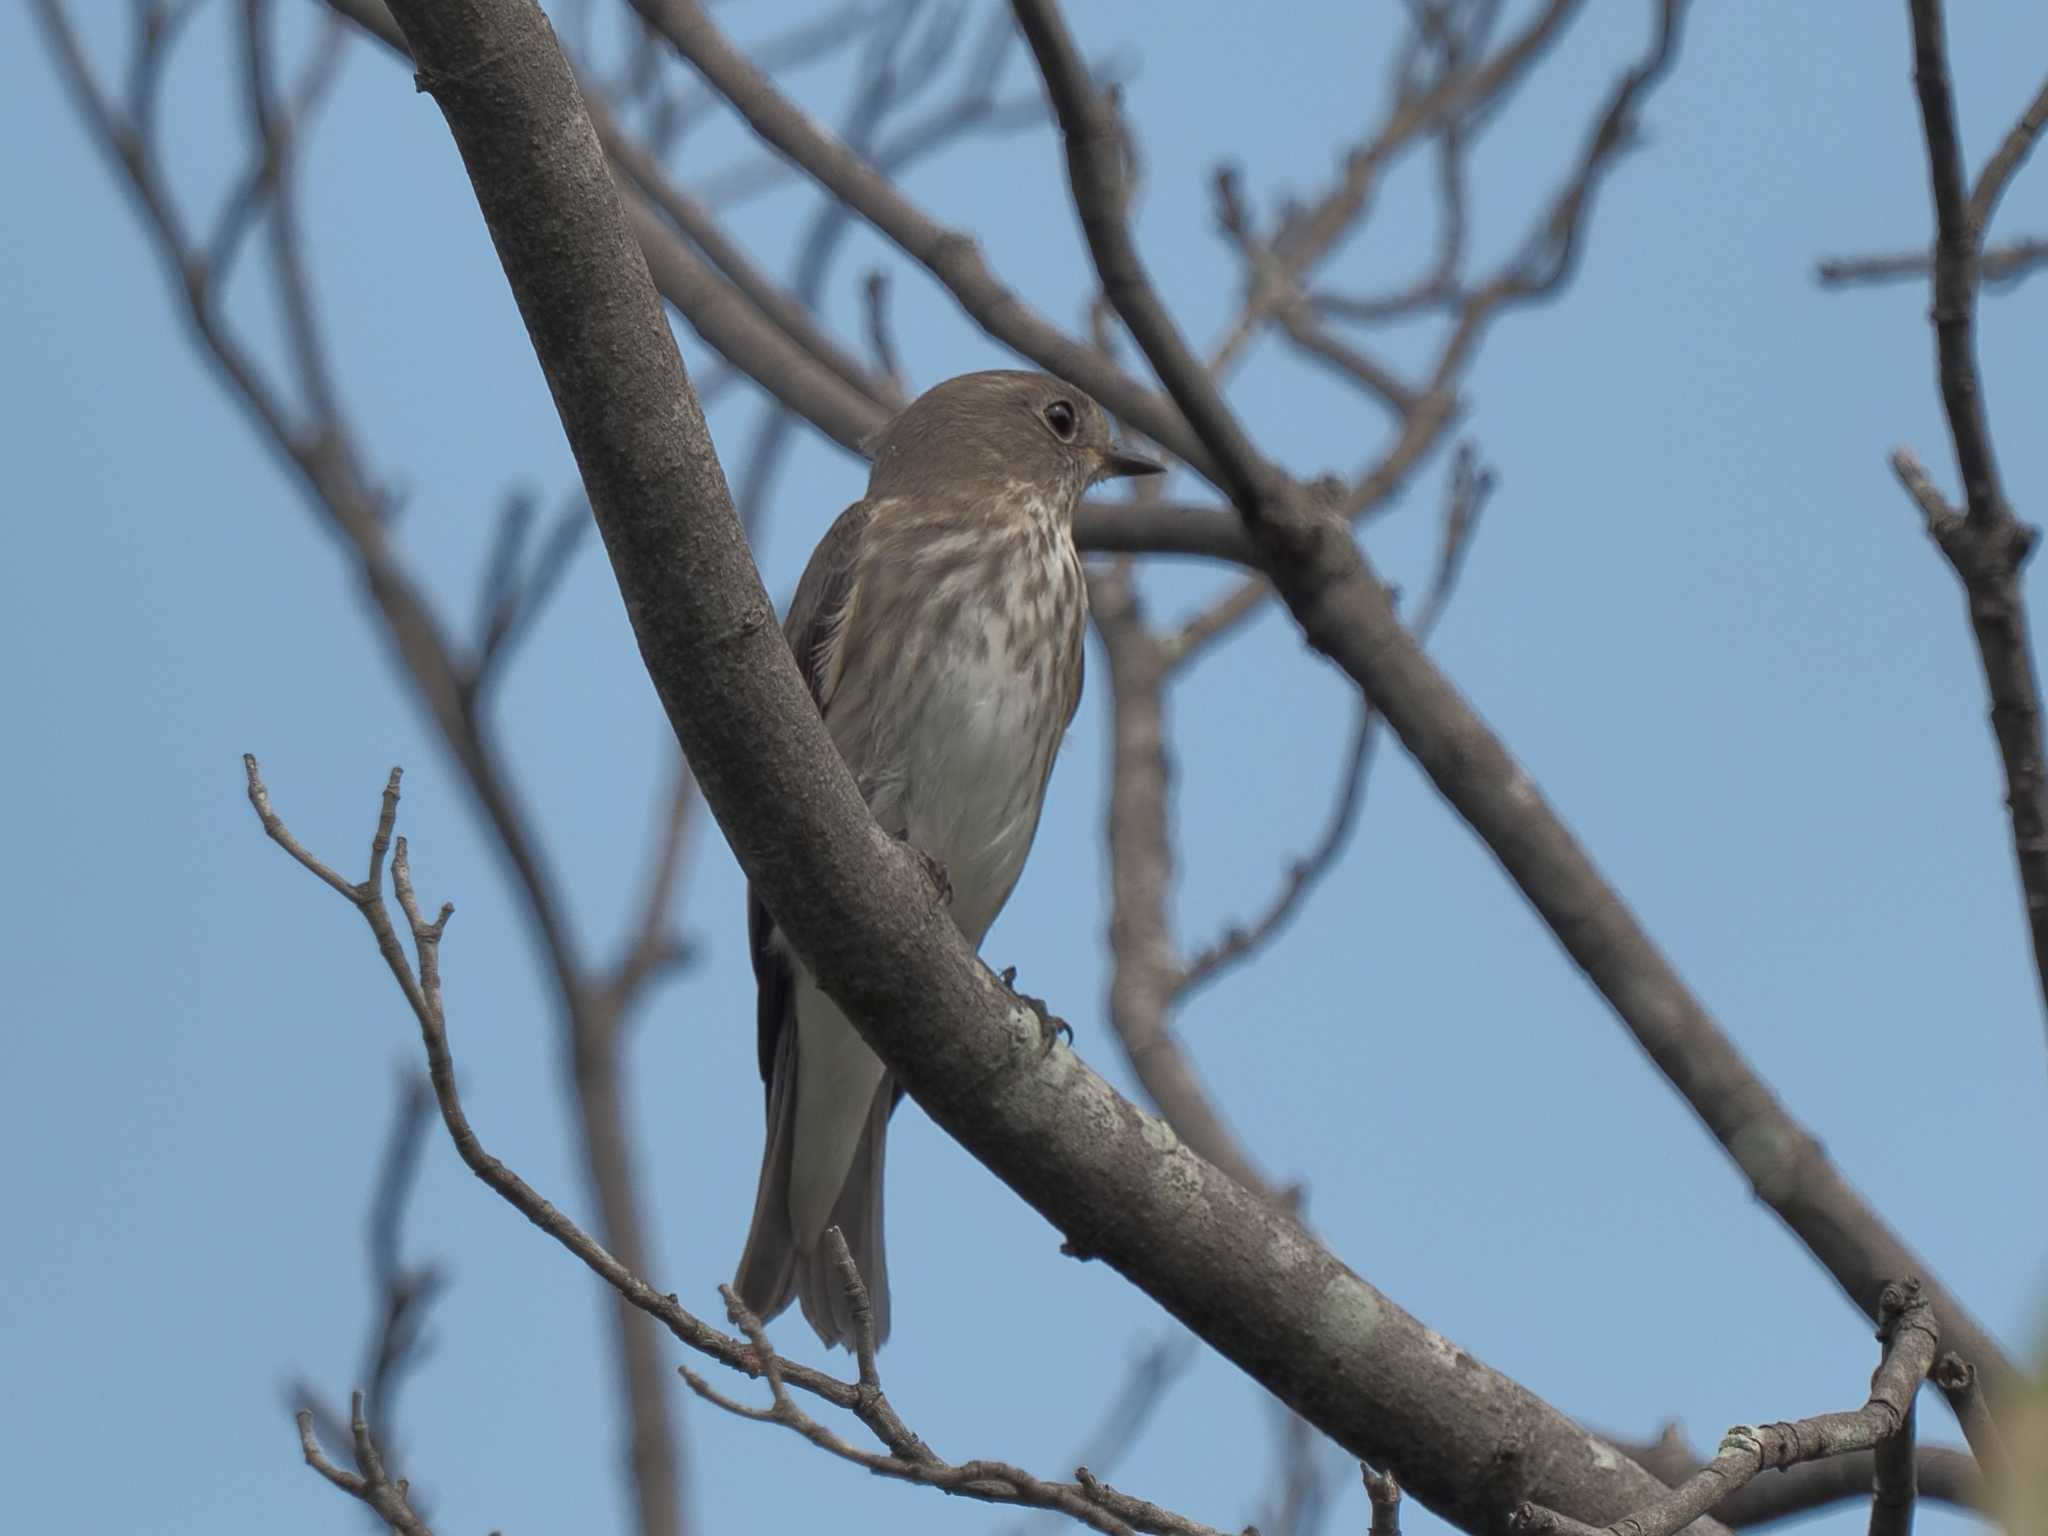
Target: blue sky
1699, 610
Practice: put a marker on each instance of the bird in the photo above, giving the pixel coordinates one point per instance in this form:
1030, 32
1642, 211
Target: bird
938, 625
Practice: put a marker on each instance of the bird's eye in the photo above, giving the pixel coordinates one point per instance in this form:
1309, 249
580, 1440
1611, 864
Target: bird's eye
1060, 416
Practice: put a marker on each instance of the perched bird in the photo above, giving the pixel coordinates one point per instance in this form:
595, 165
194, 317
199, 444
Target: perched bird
939, 626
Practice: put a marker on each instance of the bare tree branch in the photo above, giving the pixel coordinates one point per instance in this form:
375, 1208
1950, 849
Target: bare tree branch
1163, 528
975, 108
652, 947
1961, 1383
1908, 1332
805, 43
1947, 1475
1145, 969
1955, 286
290, 276
401, 1293
1307, 237
1347, 613
1240, 941
369, 1482
1893, 1481
516, 588
1985, 544
1997, 266
881, 338
404, 1291
694, 220
1385, 1496
754, 344
420, 983
2005, 162
1469, 487
906, 1457
950, 256
898, 65
723, 295
909, 1459
1535, 273
1147, 972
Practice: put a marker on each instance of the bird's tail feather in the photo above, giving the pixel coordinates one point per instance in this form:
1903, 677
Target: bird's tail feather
766, 1279
857, 1213
775, 1267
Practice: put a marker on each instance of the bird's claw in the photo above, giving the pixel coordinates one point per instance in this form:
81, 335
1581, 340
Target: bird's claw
1051, 1028
934, 871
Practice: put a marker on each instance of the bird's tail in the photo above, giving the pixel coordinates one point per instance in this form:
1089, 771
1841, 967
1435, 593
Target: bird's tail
776, 1265
766, 1279
857, 1213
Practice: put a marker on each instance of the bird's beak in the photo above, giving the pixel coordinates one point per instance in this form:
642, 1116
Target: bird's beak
1115, 464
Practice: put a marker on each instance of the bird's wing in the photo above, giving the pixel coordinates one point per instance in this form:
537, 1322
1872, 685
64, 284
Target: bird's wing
817, 616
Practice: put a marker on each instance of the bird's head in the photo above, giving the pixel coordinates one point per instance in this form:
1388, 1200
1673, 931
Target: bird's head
986, 435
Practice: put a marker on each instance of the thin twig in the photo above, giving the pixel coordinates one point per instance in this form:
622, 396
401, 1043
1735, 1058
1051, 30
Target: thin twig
907, 1456
1385, 1495
401, 1293
278, 132
2005, 162
736, 308
404, 1291
652, 947
693, 217
369, 1482
1997, 266
881, 338
1469, 487
1961, 1384
1147, 969
1908, 1333
899, 64
515, 590
1534, 273
290, 273
1986, 545
1946, 1475
1894, 1484
804, 44
949, 255
1955, 281
1436, 106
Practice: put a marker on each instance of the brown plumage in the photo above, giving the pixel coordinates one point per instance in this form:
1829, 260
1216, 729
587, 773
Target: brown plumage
939, 626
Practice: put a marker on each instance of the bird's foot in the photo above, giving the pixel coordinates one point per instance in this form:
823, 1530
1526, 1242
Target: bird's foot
1050, 1027
934, 871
